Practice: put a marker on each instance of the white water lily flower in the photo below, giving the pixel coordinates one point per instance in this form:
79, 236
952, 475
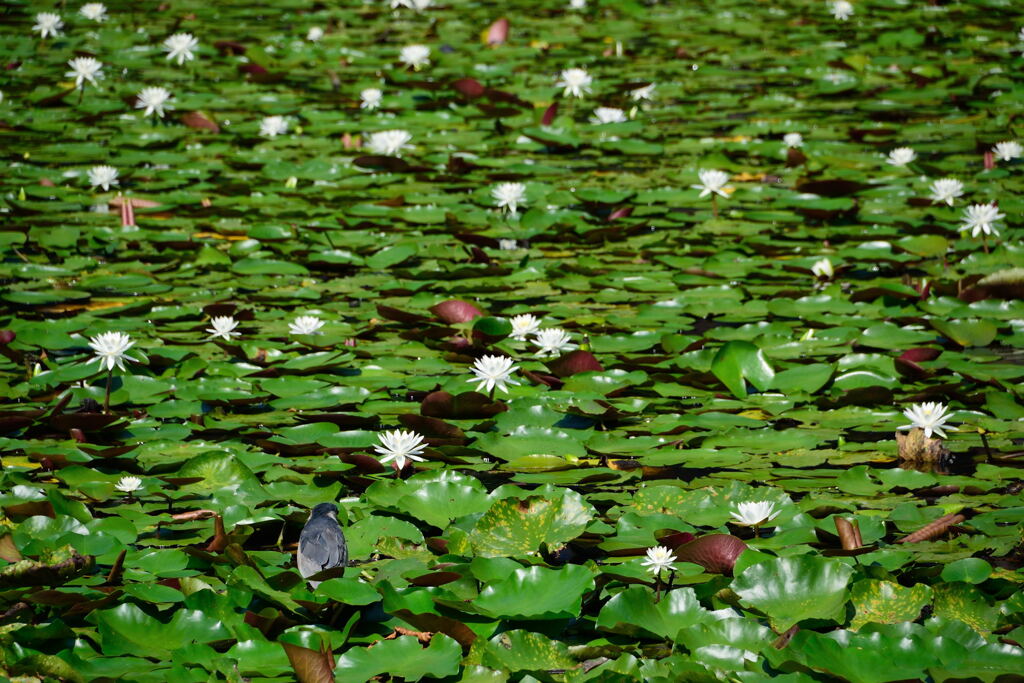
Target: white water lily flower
370, 98
644, 93
523, 326
552, 342
111, 349
946, 190
980, 219
608, 115
400, 446
582, 4
930, 417
509, 196
415, 56
493, 372
103, 176
416, 5
48, 24
85, 69
712, 181
128, 484
223, 326
305, 324
823, 268
95, 11
658, 559
842, 10
389, 142
180, 46
154, 100
901, 156
754, 514
314, 34
508, 244
1008, 150
793, 140
576, 82
272, 126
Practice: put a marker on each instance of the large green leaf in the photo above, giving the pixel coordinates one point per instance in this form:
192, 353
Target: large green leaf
739, 362
885, 602
126, 629
440, 502
519, 526
552, 592
975, 332
958, 600
636, 610
791, 589
217, 471
527, 440
402, 657
866, 657
968, 570
520, 650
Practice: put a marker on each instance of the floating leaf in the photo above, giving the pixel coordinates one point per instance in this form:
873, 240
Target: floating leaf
404, 656
553, 593
519, 650
791, 589
885, 602
455, 311
738, 362
635, 610
517, 527
967, 332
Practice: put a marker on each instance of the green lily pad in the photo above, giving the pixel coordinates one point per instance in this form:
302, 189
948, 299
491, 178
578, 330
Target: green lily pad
791, 589
738, 362
885, 602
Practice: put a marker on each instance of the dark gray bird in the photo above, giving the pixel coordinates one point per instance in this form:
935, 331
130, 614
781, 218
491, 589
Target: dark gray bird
321, 543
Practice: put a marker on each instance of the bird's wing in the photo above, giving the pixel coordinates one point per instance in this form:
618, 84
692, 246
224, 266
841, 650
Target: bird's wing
321, 549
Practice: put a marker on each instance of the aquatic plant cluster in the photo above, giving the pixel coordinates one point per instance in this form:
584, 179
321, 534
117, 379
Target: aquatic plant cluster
634, 341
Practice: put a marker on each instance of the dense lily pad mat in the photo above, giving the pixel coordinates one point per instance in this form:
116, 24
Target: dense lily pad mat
714, 366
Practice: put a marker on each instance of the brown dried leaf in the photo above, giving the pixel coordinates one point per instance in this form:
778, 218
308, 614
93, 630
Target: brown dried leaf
933, 530
198, 120
913, 446
310, 666
9, 551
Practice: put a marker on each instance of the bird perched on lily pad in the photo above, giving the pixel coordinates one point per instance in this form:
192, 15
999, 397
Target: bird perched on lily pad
321, 543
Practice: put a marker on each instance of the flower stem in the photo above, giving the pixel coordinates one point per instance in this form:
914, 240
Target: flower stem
714, 205
81, 92
106, 398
